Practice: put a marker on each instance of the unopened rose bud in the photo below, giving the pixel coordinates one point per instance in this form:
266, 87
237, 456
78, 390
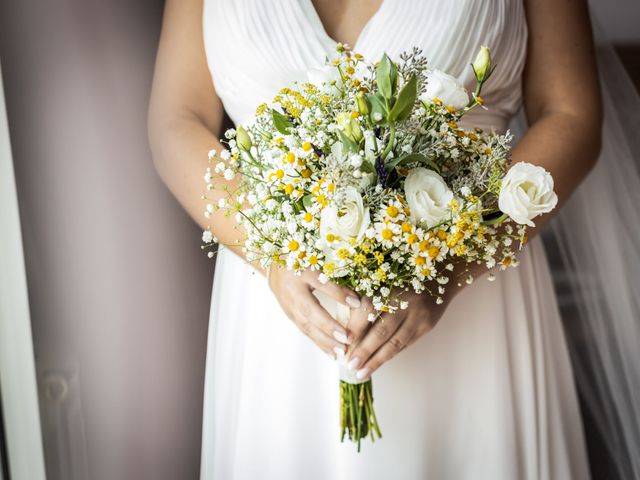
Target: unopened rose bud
243, 140
482, 64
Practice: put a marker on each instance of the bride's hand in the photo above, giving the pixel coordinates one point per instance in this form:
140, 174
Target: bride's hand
390, 333
294, 293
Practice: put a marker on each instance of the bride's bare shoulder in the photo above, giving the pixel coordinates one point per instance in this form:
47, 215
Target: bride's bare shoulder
182, 83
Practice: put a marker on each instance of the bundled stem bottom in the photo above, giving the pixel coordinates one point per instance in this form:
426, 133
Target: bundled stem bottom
357, 416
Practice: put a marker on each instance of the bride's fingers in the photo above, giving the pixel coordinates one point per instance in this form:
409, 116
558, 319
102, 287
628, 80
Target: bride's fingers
381, 331
311, 312
359, 320
403, 337
329, 344
341, 294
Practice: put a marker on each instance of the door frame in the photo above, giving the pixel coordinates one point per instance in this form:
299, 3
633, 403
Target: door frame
18, 386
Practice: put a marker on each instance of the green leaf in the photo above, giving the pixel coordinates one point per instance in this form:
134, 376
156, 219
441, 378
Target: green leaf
410, 158
280, 121
386, 76
348, 145
406, 99
367, 167
378, 105
307, 201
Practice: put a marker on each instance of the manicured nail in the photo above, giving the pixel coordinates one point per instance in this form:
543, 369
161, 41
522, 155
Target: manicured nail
339, 351
353, 302
360, 374
353, 363
340, 336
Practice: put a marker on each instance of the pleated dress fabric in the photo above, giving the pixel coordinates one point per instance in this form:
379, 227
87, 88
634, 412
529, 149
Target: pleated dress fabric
487, 394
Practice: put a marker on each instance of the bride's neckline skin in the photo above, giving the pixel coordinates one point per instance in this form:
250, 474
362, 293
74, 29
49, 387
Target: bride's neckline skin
352, 18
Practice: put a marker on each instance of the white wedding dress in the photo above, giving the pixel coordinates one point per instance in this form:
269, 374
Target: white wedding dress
487, 394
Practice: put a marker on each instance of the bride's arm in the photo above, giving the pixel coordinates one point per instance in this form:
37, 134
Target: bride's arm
185, 120
563, 106
185, 115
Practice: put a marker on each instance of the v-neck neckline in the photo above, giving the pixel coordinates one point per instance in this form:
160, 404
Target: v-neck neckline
323, 30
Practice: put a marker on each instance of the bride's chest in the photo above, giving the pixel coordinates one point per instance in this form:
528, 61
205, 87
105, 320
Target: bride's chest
257, 46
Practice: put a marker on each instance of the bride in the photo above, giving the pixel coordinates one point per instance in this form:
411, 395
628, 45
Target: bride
480, 387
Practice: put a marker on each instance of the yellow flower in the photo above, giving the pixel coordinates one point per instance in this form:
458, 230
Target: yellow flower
322, 200
306, 173
420, 261
386, 234
291, 157
407, 227
392, 211
442, 235
433, 252
279, 173
306, 146
288, 188
343, 253
329, 268
330, 237
313, 260
293, 245
412, 238
359, 259
379, 257
426, 272
423, 246
381, 274
308, 217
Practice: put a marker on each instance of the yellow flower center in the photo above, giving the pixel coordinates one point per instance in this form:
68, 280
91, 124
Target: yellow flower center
386, 234
392, 211
293, 245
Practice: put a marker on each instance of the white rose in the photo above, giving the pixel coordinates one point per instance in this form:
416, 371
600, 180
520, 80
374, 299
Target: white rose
349, 220
428, 197
445, 87
527, 191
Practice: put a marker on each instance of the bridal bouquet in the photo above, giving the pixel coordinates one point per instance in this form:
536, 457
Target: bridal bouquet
364, 175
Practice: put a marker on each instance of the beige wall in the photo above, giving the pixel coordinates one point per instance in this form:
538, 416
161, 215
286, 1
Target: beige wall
119, 289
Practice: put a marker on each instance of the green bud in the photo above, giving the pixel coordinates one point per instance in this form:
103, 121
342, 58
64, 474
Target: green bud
482, 65
243, 140
349, 126
363, 105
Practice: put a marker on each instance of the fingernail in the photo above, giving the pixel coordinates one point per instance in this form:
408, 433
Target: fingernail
339, 351
353, 302
340, 336
360, 374
353, 363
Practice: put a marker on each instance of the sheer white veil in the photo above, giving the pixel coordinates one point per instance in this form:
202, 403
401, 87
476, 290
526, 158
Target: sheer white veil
593, 246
